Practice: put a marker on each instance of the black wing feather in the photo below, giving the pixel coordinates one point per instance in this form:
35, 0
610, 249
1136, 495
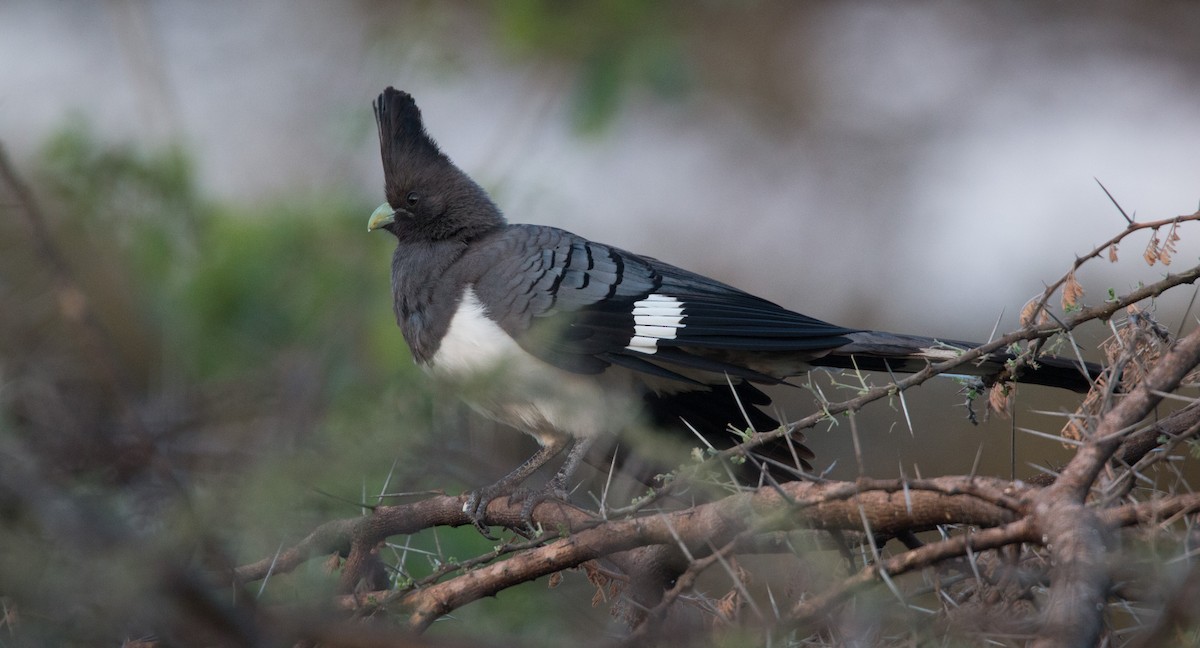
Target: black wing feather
570, 302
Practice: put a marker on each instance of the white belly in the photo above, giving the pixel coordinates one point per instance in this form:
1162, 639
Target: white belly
505, 383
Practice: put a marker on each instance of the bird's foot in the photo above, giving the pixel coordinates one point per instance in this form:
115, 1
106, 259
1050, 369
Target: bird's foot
477, 503
478, 500
531, 497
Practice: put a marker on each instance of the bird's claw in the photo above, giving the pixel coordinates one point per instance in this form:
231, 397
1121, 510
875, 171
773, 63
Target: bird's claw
530, 498
478, 500
476, 507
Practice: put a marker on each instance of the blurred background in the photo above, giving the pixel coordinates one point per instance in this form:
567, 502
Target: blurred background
197, 351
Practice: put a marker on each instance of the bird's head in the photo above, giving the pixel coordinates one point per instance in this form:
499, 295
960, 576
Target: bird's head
428, 198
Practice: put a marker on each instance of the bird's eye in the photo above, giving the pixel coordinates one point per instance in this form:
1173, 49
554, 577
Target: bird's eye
412, 198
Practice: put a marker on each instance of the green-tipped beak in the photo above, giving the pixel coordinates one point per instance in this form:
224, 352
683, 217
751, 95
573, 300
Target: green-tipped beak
383, 215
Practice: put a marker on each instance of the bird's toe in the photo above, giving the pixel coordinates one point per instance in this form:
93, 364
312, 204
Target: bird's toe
477, 503
531, 497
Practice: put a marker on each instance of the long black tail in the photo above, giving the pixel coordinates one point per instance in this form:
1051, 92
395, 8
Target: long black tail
880, 351
711, 412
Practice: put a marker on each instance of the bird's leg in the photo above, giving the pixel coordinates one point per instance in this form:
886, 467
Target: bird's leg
556, 488
477, 502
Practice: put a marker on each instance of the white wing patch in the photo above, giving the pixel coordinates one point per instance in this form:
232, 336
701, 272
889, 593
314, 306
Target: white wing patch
657, 317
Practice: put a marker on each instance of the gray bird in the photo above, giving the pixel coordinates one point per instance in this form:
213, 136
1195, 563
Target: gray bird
570, 340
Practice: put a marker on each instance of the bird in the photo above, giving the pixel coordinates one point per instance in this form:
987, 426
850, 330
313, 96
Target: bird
571, 340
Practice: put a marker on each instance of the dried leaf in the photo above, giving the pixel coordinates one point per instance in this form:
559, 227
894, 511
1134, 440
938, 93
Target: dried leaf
332, 563
555, 580
594, 575
1000, 398
1112, 253
1072, 430
1168, 247
1151, 253
1028, 313
1138, 343
741, 574
1072, 292
601, 582
1087, 410
727, 606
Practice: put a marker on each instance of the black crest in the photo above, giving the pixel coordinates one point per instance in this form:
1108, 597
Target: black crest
403, 142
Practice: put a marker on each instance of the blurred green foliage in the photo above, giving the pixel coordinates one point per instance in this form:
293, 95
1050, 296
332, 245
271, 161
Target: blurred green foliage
228, 287
617, 44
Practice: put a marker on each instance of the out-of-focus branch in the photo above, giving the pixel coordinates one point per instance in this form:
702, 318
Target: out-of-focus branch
73, 301
1179, 612
1141, 443
811, 609
1075, 480
1152, 511
892, 506
1138, 444
709, 524
1073, 532
833, 505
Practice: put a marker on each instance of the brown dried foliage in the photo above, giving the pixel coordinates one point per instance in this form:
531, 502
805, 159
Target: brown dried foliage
1072, 292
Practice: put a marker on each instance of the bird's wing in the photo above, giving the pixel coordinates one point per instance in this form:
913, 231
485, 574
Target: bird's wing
583, 306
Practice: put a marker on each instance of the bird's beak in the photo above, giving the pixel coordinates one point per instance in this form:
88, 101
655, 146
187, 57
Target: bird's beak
383, 215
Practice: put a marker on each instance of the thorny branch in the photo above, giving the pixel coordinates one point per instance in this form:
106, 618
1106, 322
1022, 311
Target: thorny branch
1073, 531
1108, 247
1031, 332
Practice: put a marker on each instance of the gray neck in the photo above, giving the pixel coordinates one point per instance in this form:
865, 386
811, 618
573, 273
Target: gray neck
427, 285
